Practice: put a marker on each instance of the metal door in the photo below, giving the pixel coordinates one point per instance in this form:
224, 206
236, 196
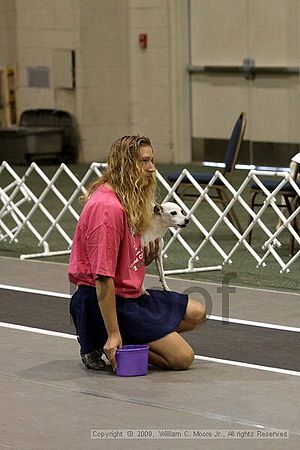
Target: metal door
245, 56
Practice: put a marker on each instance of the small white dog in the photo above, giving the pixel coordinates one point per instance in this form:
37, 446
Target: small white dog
164, 216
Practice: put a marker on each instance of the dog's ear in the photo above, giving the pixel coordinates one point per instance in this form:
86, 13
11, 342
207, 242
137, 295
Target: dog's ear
157, 208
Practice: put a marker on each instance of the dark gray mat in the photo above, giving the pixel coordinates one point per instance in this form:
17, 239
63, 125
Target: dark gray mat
249, 344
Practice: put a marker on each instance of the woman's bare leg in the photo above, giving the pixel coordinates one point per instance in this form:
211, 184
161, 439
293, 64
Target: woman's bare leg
171, 352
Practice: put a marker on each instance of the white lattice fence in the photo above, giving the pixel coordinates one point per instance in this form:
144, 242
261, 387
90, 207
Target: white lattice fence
272, 243
13, 208
20, 205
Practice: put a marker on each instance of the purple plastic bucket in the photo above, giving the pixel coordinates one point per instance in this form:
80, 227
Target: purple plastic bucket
132, 360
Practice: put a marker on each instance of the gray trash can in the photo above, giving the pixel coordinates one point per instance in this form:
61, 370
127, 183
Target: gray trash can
42, 135
54, 118
20, 145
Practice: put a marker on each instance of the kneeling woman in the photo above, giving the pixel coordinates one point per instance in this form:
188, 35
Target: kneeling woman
107, 264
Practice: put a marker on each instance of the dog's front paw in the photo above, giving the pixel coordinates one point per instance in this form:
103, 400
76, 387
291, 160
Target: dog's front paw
144, 291
166, 288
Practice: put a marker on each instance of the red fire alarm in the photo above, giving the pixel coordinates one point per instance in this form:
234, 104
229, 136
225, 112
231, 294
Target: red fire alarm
143, 40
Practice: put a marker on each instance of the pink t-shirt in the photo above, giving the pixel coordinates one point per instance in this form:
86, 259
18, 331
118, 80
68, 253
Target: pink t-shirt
104, 245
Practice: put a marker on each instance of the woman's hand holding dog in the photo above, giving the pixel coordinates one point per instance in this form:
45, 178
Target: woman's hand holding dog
151, 251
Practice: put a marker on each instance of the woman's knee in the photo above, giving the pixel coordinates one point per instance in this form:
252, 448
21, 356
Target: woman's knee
181, 360
196, 312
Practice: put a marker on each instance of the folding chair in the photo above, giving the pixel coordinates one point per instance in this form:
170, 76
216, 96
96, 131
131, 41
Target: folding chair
231, 158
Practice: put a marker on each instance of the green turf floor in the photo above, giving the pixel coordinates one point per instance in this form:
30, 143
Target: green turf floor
242, 271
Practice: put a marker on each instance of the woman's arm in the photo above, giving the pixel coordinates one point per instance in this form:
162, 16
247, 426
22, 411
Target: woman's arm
105, 289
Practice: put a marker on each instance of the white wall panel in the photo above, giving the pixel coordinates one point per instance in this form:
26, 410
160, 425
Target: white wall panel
217, 102
218, 31
224, 32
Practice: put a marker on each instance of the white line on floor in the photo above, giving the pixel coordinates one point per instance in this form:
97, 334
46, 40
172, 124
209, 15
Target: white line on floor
198, 357
40, 261
247, 365
37, 330
34, 291
255, 324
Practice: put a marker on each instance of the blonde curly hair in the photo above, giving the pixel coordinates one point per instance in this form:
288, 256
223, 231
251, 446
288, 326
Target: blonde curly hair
125, 174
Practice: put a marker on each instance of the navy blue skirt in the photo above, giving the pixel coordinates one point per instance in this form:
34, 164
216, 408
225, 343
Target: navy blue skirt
141, 320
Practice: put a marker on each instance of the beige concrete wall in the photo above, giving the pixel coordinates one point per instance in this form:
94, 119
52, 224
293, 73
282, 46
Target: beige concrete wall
158, 77
125, 89
120, 88
180, 83
43, 28
103, 97
149, 74
7, 32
